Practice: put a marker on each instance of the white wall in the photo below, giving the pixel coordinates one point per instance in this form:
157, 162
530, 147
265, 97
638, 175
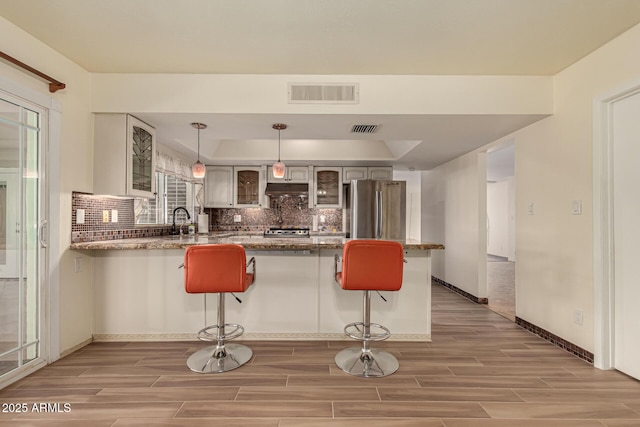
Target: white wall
75, 165
553, 158
220, 93
454, 213
412, 179
498, 220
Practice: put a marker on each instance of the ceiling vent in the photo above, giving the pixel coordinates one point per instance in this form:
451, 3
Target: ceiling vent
323, 93
364, 128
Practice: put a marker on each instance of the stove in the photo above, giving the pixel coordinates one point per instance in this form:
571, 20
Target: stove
287, 232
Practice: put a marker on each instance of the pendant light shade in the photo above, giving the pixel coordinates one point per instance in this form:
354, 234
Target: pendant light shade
279, 167
198, 170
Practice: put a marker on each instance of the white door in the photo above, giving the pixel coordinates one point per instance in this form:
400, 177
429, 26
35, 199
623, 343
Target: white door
626, 223
22, 235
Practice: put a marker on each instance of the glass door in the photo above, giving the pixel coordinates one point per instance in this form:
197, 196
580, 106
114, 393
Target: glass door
22, 235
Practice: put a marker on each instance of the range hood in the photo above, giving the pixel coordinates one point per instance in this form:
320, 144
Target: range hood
286, 189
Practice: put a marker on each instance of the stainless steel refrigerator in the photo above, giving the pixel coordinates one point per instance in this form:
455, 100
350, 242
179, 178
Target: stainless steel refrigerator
377, 209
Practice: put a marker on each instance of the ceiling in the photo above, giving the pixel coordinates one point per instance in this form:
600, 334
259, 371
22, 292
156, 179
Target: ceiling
347, 37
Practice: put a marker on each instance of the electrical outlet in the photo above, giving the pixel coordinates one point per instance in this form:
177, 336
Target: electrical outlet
237, 218
78, 264
532, 208
105, 216
578, 317
323, 218
114, 215
79, 216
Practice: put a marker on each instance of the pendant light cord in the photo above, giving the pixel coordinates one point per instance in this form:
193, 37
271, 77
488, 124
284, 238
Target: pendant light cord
278, 145
198, 143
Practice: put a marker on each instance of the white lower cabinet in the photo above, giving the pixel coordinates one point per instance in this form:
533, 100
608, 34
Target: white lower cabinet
142, 297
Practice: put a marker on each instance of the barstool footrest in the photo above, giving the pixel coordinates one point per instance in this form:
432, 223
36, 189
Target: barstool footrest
359, 335
205, 335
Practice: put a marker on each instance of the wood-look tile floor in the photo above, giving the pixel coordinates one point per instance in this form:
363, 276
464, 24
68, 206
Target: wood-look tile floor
481, 370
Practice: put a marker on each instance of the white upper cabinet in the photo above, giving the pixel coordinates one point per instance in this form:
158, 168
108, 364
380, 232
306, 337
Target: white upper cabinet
292, 174
372, 172
327, 187
249, 184
124, 156
218, 187
380, 172
354, 172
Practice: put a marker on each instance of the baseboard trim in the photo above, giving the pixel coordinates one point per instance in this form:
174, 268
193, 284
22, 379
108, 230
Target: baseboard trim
253, 337
76, 347
459, 291
578, 351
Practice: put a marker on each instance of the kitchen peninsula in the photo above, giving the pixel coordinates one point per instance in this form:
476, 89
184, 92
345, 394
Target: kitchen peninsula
139, 292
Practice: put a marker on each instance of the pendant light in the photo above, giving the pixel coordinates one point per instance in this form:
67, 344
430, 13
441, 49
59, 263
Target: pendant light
278, 167
198, 168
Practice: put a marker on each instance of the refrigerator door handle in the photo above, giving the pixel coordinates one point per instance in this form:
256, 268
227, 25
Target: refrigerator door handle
378, 219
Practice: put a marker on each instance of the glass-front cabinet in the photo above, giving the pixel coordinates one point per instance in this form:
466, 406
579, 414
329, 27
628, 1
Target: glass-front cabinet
124, 156
327, 187
249, 184
141, 158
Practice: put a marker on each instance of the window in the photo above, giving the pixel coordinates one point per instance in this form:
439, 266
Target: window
172, 193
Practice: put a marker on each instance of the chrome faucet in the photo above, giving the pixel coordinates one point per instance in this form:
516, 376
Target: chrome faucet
173, 226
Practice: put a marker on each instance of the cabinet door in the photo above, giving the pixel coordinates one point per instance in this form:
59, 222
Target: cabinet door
353, 172
382, 173
249, 185
327, 191
293, 174
298, 174
141, 158
218, 187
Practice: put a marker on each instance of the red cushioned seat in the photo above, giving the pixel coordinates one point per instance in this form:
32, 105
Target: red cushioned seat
216, 268
371, 265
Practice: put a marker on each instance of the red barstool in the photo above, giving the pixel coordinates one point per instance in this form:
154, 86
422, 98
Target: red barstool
369, 265
218, 269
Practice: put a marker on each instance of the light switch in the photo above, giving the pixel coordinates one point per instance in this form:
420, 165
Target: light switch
576, 207
79, 216
114, 215
532, 208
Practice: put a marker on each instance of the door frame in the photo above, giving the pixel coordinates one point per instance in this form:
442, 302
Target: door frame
603, 227
50, 157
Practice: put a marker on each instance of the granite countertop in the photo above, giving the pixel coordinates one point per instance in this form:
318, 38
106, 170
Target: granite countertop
247, 241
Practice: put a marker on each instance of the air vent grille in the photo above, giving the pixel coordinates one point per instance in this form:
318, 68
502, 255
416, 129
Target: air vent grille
364, 128
323, 93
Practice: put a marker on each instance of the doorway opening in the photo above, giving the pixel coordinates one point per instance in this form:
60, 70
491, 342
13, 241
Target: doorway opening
501, 279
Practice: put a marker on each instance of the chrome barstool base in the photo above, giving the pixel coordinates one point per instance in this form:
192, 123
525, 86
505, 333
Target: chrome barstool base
374, 364
206, 361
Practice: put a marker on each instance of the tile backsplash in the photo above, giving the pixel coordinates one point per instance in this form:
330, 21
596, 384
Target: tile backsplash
95, 228
284, 212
